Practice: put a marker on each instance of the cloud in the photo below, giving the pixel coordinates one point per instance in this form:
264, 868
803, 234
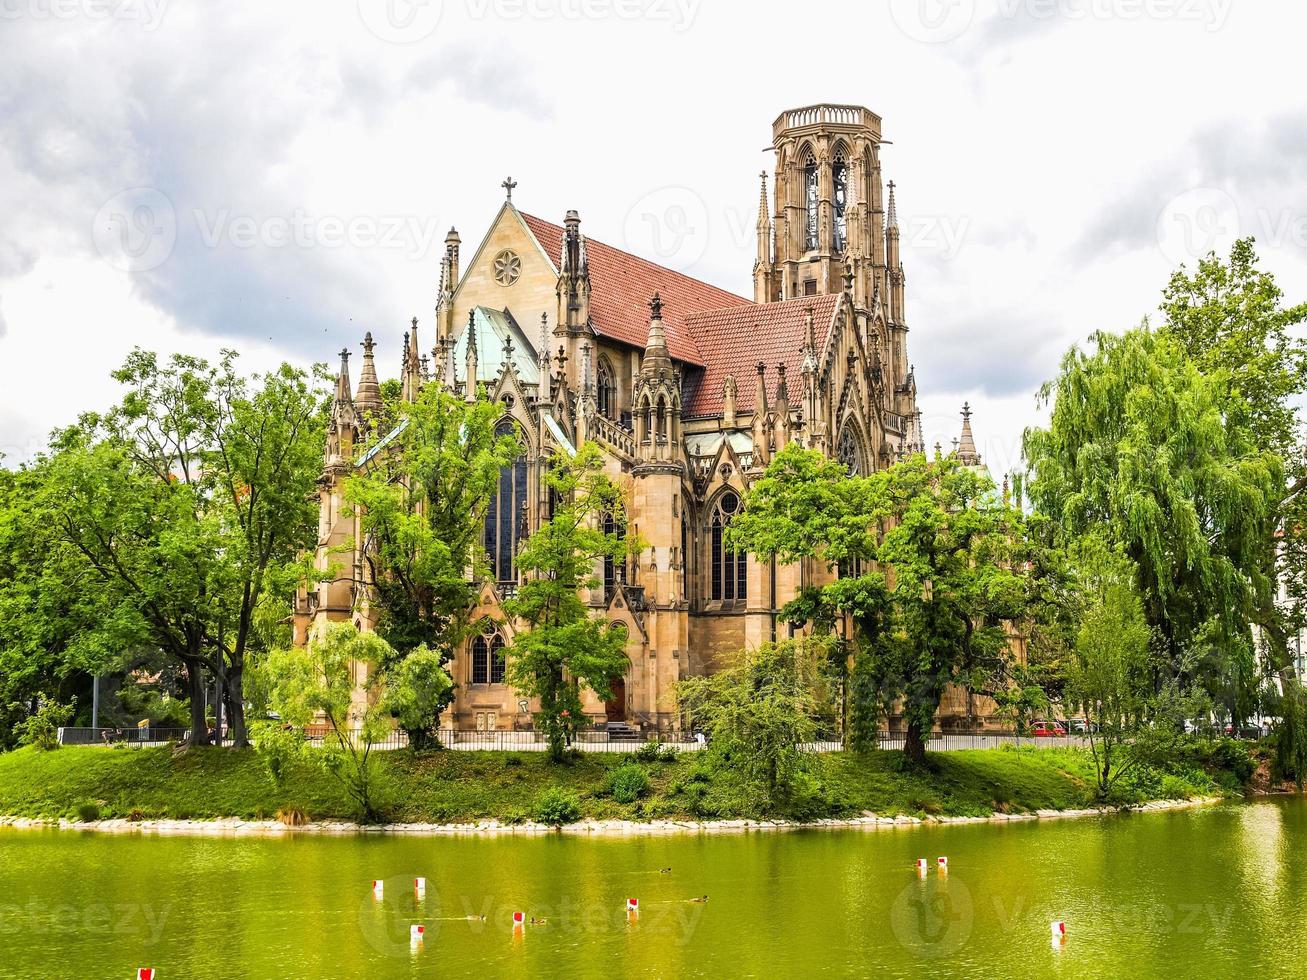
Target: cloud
1002, 352
226, 126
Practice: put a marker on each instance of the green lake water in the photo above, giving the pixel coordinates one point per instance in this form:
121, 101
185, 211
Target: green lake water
1216, 891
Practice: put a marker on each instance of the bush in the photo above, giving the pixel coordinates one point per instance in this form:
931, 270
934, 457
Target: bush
557, 806
651, 752
278, 747
42, 729
512, 760
629, 783
88, 812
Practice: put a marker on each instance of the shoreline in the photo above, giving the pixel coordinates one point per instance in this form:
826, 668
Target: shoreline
236, 827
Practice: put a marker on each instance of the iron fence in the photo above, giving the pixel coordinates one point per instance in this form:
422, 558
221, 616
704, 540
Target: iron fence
585, 741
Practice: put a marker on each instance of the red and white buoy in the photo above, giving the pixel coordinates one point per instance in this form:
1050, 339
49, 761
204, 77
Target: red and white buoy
922, 867
420, 887
145, 973
1058, 930
416, 931
378, 888
942, 864
632, 905
519, 918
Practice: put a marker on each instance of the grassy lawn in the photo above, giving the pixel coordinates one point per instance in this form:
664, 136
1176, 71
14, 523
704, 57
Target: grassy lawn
464, 786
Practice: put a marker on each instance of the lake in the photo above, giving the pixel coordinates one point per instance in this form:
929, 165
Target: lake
1211, 891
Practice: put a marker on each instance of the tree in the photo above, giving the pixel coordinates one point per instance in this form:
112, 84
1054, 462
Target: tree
931, 560
165, 524
253, 451
1145, 448
566, 647
423, 501
318, 681
1109, 675
760, 710
1229, 320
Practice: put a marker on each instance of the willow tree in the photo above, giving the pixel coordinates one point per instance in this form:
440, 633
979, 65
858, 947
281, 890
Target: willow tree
931, 563
423, 498
1147, 449
1229, 318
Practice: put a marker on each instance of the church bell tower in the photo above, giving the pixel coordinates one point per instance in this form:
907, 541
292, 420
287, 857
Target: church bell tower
828, 216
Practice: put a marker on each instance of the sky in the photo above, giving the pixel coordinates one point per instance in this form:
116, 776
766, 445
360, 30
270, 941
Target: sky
278, 178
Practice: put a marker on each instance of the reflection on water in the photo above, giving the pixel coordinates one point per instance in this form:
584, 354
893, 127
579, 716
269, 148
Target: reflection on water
1215, 891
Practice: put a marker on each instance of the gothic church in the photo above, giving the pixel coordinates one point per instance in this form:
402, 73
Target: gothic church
687, 389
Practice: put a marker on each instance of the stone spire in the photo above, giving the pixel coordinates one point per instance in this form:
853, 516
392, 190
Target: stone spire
343, 396
656, 357
966, 446
340, 435
368, 397
762, 263
892, 211
470, 361
782, 424
761, 437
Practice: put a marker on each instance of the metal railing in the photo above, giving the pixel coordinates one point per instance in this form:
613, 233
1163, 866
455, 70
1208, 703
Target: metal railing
588, 740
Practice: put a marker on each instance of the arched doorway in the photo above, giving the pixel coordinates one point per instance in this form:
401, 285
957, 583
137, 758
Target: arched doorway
615, 707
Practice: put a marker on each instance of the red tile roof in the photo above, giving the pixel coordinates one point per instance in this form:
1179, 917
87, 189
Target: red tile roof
734, 341
621, 285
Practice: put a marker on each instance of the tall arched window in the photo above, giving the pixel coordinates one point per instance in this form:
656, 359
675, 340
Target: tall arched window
607, 390
488, 658
614, 568
849, 452
810, 200
506, 515
840, 181
729, 567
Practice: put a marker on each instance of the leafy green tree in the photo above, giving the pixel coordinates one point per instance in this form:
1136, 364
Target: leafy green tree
565, 646
417, 689
423, 499
1229, 318
317, 683
759, 711
1146, 449
252, 449
1109, 680
166, 522
955, 550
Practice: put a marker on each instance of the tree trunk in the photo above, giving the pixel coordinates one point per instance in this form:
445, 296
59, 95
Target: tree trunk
236, 708
914, 744
195, 688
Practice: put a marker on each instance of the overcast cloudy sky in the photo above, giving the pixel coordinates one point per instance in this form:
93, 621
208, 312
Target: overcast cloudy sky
279, 177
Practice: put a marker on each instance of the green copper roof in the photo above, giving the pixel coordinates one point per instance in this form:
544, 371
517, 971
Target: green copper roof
492, 328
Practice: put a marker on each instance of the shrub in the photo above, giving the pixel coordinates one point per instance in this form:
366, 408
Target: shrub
557, 806
629, 783
512, 760
651, 752
42, 729
88, 812
278, 747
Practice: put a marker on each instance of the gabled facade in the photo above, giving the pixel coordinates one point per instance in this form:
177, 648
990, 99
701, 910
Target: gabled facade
689, 390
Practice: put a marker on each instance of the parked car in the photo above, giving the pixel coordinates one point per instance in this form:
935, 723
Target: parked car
1082, 726
1048, 729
